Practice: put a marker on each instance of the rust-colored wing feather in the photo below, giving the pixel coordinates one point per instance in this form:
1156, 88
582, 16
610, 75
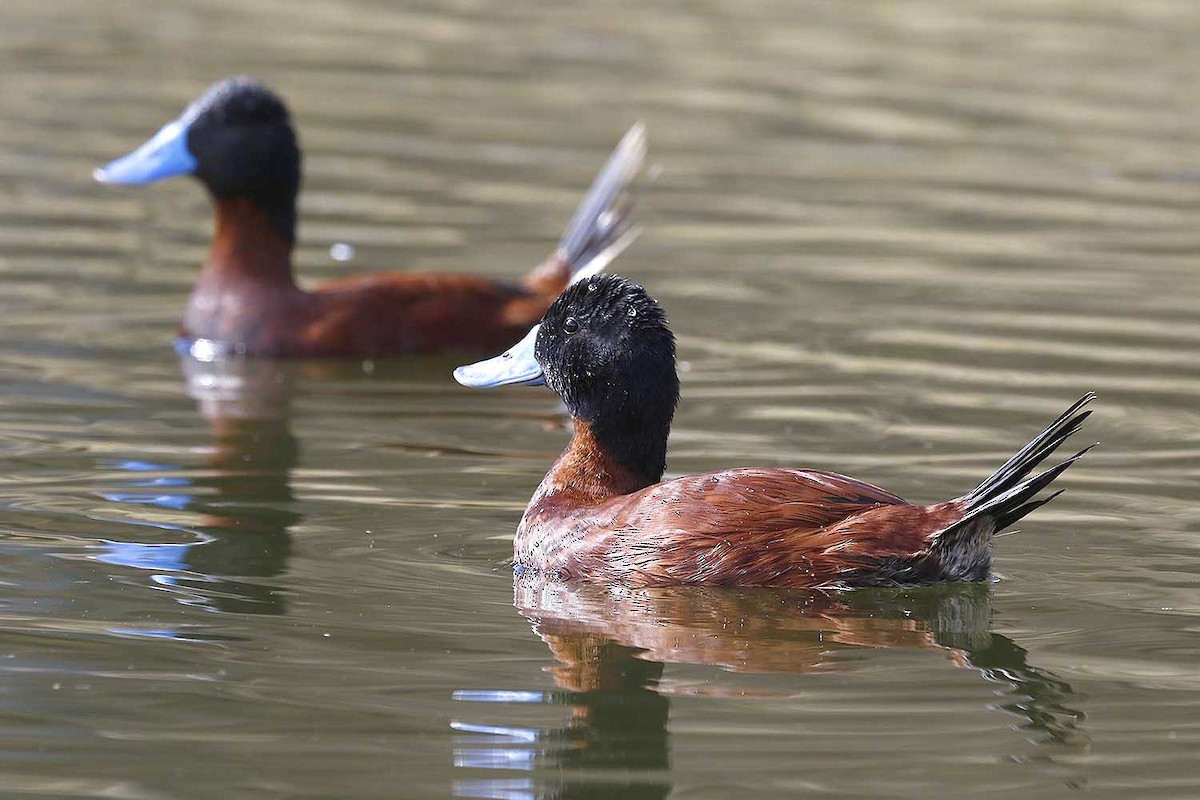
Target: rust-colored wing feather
395, 313
748, 527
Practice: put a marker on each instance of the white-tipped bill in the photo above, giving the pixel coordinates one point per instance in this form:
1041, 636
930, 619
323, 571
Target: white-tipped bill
165, 155
516, 365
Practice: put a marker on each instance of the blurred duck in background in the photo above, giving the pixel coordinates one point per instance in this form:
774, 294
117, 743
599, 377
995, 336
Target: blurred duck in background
237, 139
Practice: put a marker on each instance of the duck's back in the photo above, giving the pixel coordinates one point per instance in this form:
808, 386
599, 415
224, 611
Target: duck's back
747, 527
396, 313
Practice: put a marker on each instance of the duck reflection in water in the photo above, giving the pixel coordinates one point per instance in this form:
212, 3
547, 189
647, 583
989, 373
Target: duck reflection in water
243, 495
611, 645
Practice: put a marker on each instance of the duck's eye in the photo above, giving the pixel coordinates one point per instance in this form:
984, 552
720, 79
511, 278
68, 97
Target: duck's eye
570, 325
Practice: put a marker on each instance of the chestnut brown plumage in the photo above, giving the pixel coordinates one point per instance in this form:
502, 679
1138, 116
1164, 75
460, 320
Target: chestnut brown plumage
602, 512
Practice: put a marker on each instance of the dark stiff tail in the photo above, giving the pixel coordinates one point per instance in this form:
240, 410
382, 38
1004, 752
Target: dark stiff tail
1007, 494
599, 232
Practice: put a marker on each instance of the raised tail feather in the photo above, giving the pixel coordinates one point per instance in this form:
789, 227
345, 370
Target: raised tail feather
599, 231
1007, 494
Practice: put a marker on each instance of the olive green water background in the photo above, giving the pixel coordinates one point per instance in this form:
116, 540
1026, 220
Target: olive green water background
894, 240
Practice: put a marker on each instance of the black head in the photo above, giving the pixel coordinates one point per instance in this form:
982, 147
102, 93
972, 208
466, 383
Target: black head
242, 138
235, 102
604, 347
237, 139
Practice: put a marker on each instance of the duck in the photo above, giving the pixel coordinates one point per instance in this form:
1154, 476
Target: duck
237, 139
603, 512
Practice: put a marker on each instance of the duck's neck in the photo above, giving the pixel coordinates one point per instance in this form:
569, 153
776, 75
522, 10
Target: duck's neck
249, 246
590, 469
245, 291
